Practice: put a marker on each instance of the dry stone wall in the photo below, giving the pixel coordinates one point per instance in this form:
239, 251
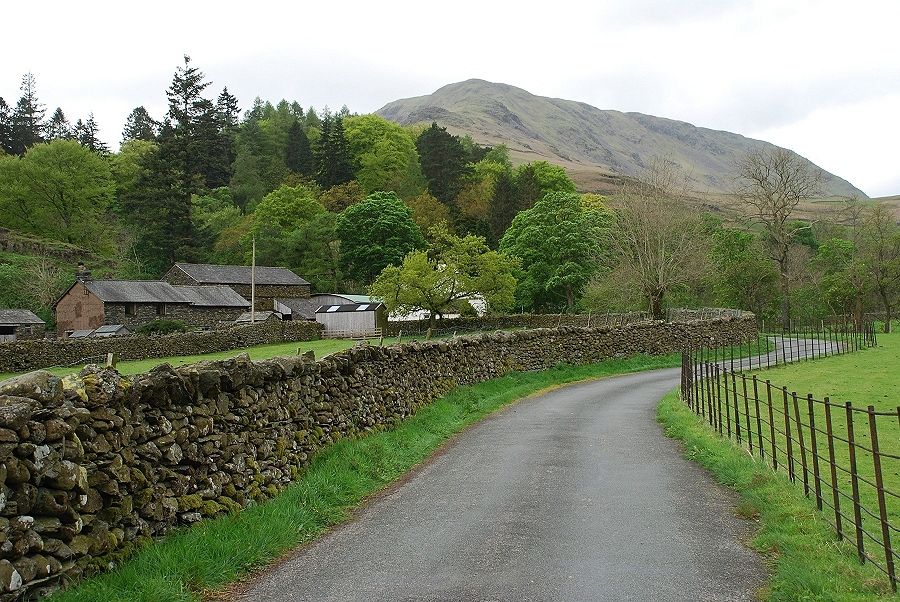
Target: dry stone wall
19, 356
96, 463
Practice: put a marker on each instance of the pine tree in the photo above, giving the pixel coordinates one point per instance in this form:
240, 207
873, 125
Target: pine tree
323, 161
6, 140
58, 127
443, 161
342, 168
27, 118
504, 205
140, 126
88, 134
298, 153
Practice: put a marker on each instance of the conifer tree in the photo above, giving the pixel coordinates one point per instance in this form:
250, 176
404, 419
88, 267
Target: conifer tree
58, 127
342, 169
298, 153
6, 142
140, 126
27, 118
443, 160
88, 134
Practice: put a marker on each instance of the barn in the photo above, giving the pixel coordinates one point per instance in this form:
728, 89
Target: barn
352, 319
20, 324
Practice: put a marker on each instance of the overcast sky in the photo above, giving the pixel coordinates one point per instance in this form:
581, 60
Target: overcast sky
819, 76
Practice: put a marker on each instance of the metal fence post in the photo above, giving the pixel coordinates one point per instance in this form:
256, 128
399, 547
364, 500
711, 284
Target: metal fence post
854, 482
814, 450
787, 433
747, 413
882, 507
759, 435
799, 424
835, 495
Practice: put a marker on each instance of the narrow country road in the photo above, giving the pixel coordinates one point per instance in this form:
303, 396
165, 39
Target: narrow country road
572, 495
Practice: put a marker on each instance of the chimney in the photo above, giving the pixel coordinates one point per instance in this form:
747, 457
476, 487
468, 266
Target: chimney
82, 274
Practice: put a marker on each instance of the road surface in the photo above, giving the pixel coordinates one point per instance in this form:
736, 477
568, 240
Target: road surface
571, 495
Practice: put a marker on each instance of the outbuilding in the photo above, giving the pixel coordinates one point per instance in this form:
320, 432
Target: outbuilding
352, 319
20, 324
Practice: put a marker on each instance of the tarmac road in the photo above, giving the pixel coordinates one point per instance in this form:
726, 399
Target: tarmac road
572, 495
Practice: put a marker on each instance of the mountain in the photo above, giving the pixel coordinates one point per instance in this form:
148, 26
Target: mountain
596, 146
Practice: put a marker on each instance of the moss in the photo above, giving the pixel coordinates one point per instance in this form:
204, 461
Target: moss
211, 508
187, 503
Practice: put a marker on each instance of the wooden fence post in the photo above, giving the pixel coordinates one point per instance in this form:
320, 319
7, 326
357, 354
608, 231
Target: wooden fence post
814, 450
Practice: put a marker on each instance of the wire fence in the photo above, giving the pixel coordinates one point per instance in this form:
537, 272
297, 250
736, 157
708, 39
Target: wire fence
833, 450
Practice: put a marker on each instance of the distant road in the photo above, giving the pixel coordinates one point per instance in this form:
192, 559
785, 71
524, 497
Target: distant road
574, 495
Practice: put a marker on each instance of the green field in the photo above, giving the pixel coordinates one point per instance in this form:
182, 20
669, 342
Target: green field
321, 348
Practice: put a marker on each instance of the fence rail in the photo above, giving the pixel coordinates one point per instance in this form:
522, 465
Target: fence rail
831, 449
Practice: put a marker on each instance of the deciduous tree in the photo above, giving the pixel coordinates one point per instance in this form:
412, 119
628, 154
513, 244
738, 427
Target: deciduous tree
771, 184
376, 233
452, 270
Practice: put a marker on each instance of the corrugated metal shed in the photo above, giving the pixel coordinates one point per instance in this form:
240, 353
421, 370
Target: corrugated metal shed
204, 273
110, 330
352, 318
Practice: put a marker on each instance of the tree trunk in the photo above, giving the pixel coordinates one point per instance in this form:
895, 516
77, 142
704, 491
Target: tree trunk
570, 298
656, 305
887, 311
785, 297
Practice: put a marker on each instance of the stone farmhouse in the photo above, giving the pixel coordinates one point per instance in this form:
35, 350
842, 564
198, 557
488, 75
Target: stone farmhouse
271, 283
20, 324
89, 304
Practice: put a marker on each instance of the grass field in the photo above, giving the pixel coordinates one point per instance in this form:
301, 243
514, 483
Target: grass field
188, 564
260, 352
866, 377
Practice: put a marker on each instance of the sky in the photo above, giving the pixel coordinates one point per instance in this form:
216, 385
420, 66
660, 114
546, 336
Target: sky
821, 77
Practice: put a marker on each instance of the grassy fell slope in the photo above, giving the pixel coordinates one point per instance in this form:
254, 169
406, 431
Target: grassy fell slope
594, 145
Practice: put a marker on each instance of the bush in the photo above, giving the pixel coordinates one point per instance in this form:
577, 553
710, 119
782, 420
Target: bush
162, 327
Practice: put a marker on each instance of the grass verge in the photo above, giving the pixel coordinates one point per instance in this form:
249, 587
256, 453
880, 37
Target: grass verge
209, 556
808, 563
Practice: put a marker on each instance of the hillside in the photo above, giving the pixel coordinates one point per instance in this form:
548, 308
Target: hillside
595, 145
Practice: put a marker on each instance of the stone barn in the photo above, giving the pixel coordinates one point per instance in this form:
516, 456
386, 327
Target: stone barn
20, 324
271, 283
352, 319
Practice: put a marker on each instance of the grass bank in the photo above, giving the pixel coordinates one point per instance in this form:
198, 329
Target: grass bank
208, 556
808, 562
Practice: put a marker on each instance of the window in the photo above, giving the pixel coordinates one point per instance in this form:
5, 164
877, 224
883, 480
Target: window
130, 309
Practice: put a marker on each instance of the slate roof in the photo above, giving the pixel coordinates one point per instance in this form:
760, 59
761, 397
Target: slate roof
17, 317
80, 334
304, 308
261, 316
109, 330
212, 296
331, 309
134, 291
203, 273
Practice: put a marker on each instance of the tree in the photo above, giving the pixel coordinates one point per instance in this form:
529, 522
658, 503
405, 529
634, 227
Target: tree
443, 161
384, 155
129, 165
88, 134
374, 234
743, 276
298, 152
771, 183
58, 190
845, 282
554, 242
427, 211
58, 127
453, 270
6, 129
880, 250
658, 244
27, 118
139, 125
337, 198
285, 208
504, 204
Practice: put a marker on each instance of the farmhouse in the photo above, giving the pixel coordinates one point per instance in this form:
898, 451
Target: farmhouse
352, 318
20, 324
89, 304
271, 283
